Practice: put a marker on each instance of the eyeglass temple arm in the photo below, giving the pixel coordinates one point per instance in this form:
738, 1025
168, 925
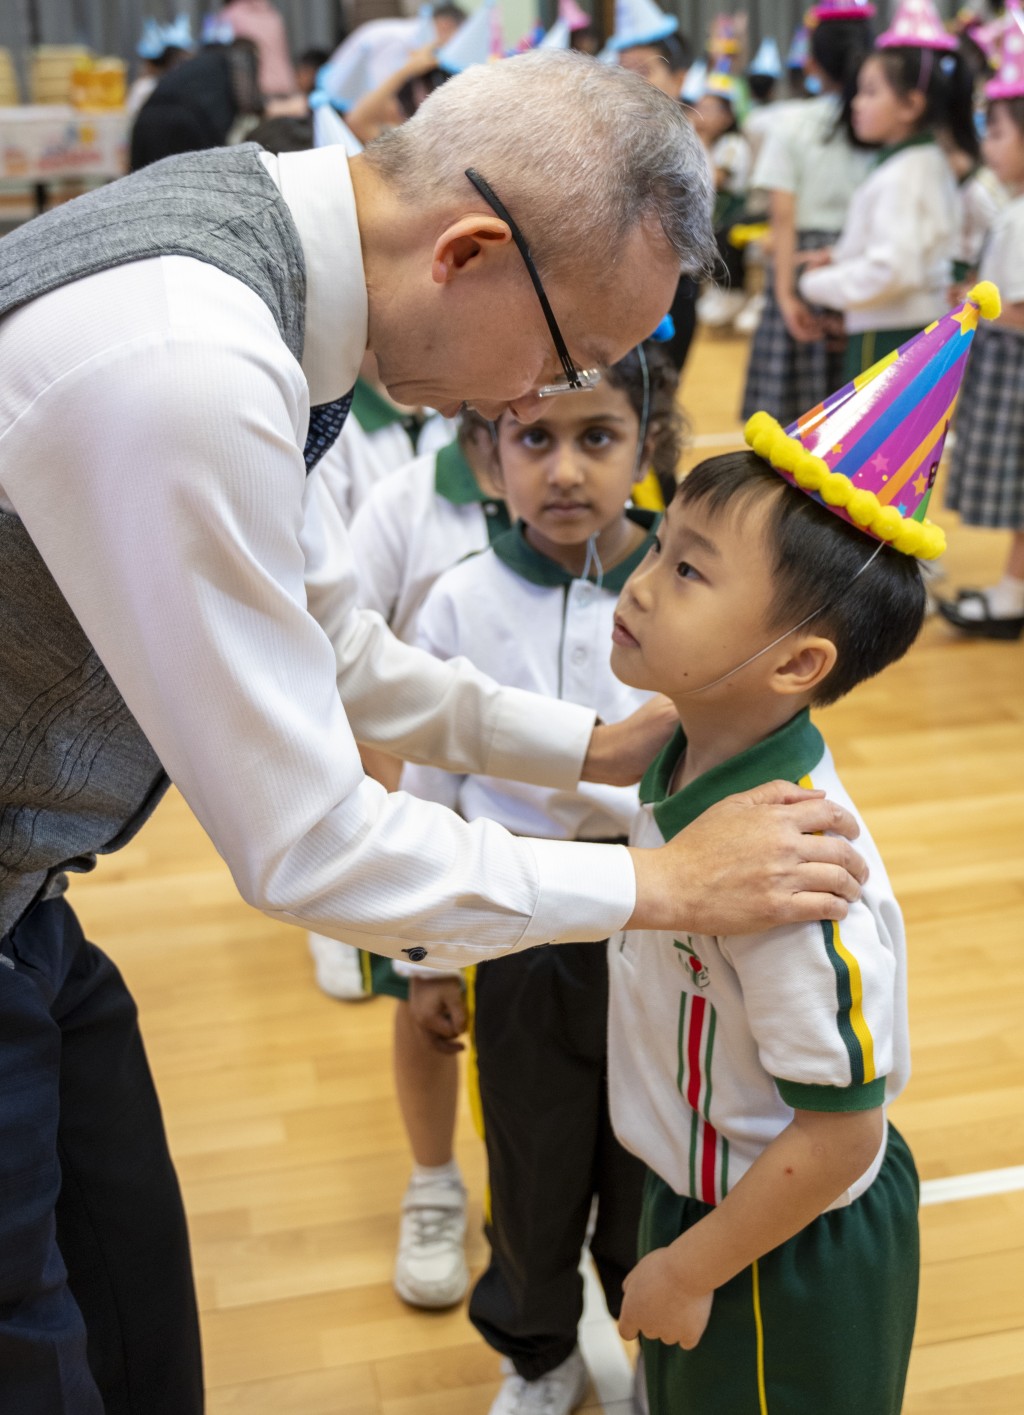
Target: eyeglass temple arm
484, 188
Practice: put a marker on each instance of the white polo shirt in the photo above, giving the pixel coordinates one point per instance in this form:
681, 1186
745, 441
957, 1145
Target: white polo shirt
714, 1042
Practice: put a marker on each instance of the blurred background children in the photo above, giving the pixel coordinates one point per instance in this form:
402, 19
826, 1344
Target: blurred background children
889, 272
810, 165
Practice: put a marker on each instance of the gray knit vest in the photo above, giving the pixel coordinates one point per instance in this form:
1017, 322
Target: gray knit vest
77, 774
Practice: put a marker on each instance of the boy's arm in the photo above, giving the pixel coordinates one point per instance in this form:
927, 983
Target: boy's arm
668, 1295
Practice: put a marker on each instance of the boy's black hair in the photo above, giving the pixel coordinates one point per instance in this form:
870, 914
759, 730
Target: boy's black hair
839, 47
455, 13
664, 420
948, 92
815, 556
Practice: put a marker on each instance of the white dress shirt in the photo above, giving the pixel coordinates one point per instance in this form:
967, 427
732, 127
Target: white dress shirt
151, 430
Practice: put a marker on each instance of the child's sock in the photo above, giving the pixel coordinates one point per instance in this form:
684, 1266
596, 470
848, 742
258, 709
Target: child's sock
436, 1174
1005, 601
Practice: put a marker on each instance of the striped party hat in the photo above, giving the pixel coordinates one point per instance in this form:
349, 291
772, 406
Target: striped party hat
870, 452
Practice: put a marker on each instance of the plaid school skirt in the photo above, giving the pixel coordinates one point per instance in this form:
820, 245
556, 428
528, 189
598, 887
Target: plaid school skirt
986, 474
784, 377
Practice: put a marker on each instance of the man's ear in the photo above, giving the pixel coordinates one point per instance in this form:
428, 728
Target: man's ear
465, 242
806, 665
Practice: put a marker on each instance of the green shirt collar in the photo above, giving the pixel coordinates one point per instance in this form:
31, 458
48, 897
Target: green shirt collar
789, 754
519, 555
454, 480
918, 140
372, 410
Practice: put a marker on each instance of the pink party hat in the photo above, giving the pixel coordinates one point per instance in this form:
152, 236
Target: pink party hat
841, 10
1009, 82
916, 25
573, 15
870, 452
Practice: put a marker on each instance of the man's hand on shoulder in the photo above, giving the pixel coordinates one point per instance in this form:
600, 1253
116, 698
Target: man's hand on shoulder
776, 855
620, 752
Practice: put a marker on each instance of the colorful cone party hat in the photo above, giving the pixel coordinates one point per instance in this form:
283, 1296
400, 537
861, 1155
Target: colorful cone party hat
640, 22
841, 10
151, 42
557, 37
575, 17
1009, 82
471, 43
217, 31
343, 80
425, 32
799, 45
331, 130
178, 34
870, 452
693, 84
767, 62
916, 25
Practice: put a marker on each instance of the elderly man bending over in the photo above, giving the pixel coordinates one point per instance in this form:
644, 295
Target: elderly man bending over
166, 612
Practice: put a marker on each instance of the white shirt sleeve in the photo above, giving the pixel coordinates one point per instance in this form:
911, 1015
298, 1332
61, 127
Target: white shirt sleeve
887, 249
820, 1001
161, 480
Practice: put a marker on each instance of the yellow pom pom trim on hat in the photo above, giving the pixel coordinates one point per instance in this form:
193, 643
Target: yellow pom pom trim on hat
986, 296
787, 454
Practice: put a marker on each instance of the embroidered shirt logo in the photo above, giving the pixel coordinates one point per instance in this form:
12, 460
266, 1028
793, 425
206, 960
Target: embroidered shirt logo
699, 975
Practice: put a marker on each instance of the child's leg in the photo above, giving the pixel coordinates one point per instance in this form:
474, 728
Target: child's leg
427, 1085
823, 1323
541, 1064
430, 1266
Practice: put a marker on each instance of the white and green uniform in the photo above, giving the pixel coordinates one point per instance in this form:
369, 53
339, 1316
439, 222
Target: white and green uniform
517, 615
411, 526
376, 440
713, 1043
540, 1024
414, 525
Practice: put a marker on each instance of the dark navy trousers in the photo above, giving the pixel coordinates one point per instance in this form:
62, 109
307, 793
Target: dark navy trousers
97, 1305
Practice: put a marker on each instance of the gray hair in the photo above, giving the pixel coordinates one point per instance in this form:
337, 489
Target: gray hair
581, 153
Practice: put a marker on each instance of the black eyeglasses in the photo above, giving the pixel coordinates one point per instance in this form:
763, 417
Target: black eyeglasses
575, 379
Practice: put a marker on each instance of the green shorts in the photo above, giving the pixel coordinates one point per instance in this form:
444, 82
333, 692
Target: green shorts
379, 976
822, 1325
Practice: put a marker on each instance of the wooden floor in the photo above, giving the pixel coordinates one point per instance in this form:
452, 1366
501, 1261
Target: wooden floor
287, 1138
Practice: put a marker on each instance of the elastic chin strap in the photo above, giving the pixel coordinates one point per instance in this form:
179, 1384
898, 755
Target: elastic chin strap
813, 615
645, 414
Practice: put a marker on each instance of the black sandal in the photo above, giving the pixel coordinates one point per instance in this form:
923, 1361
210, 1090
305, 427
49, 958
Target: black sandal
989, 626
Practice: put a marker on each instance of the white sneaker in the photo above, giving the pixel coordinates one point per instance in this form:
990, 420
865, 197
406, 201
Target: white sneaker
557, 1393
430, 1266
749, 317
338, 970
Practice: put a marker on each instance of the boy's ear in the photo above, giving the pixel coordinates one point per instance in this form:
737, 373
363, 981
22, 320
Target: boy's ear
806, 665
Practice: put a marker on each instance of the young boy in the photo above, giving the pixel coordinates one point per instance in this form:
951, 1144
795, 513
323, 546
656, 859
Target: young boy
752, 1073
